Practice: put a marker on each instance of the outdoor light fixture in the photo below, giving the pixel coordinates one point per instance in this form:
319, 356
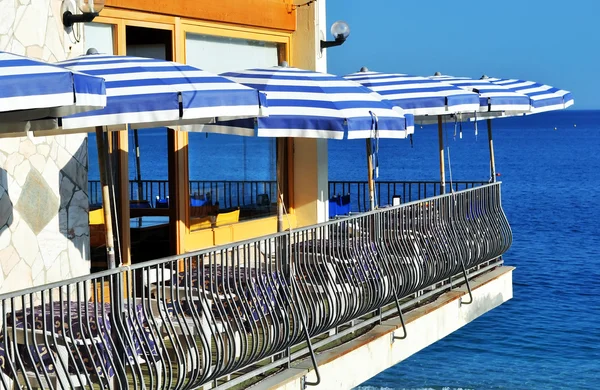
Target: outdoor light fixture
340, 31
89, 10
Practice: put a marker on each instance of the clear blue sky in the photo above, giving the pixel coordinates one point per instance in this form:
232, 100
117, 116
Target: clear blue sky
552, 41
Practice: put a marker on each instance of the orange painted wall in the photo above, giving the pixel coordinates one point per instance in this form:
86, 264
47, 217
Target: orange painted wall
272, 14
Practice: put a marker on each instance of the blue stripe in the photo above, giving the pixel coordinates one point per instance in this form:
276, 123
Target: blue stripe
35, 84
134, 104
327, 104
420, 91
168, 101
267, 80
32, 85
220, 98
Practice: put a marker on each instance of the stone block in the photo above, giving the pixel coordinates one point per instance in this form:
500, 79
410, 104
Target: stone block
27, 148
44, 150
5, 238
8, 12
12, 161
18, 279
21, 172
52, 243
36, 14
25, 242
38, 204
38, 162
9, 259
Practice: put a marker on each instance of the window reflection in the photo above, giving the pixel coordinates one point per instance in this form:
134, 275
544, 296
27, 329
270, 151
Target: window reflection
232, 179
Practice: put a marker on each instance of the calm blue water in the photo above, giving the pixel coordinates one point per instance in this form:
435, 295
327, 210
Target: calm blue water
548, 336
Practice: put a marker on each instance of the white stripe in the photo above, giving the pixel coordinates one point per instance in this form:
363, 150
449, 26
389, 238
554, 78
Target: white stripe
120, 119
30, 70
301, 133
291, 72
220, 111
318, 96
362, 134
549, 95
172, 88
36, 101
297, 82
243, 131
160, 75
333, 113
90, 100
508, 107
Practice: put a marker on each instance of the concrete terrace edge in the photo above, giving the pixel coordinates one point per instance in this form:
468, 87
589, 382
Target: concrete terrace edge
352, 363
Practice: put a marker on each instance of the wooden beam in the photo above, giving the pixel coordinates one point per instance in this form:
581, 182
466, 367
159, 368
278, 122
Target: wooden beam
258, 13
122, 151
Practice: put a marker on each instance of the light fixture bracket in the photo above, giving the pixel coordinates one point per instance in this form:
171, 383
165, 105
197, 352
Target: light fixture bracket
69, 18
338, 41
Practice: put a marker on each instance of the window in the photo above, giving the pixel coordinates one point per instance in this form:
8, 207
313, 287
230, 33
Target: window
232, 178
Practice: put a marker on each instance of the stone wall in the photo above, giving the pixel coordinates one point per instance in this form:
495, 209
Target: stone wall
44, 232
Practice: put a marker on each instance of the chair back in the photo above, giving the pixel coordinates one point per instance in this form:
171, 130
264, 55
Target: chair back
228, 217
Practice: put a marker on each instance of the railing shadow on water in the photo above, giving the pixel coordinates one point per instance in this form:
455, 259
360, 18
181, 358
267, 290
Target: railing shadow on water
232, 314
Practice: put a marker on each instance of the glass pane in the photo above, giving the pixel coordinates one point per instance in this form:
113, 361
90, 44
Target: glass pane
222, 54
232, 179
98, 36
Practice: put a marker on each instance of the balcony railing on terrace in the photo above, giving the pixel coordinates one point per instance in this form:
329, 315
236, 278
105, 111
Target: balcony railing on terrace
241, 193
233, 314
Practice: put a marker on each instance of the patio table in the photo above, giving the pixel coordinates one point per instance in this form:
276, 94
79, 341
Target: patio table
88, 327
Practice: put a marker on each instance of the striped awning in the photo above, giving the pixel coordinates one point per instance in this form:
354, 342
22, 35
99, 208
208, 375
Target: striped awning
145, 92
309, 104
32, 89
542, 97
492, 97
420, 96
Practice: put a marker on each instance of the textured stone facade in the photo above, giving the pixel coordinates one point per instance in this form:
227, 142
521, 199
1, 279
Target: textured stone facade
44, 232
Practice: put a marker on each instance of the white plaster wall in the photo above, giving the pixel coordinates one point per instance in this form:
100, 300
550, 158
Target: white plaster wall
45, 237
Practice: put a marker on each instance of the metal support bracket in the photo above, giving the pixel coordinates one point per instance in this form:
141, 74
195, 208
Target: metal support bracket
394, 337
313, 358
464, 270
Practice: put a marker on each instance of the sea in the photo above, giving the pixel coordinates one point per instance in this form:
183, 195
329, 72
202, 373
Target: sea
548, 335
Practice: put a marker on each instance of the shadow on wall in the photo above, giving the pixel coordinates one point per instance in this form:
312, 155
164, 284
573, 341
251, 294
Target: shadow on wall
44, 231
6, 211
74, 204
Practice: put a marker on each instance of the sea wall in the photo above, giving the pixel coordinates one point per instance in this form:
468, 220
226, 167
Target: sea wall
44, 232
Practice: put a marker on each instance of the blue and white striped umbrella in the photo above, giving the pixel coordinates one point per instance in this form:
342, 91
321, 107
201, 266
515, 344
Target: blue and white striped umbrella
420, 96
492, 97
309, 104
32, 89
145, 92
542, 97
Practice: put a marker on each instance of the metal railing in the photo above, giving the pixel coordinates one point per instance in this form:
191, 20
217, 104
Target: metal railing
241, 193
232, 314
386, 191
226, 193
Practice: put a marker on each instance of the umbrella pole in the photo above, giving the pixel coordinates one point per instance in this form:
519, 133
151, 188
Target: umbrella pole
102, 155
370, 174
492, 158
279, 158
441, 146
136, 144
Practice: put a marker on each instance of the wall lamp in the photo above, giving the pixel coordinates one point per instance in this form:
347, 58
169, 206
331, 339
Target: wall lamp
340, 31
89, 10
